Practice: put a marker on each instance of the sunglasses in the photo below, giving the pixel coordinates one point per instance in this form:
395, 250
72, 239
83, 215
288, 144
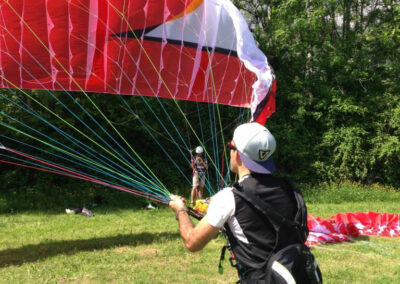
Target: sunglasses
230, 146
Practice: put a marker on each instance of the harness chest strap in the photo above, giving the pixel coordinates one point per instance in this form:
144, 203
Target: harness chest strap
226, 231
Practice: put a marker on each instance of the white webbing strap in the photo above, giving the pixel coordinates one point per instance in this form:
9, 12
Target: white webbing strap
283, 272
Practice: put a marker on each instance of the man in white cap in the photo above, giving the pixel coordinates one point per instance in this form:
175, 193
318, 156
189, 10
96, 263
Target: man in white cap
251, 236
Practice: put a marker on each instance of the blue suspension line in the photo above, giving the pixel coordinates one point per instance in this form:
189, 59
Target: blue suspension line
172, 123
75, 141
118, 154
208, 183
211, 116
69, 137
126, 180
158, 143
156, 195
123, 176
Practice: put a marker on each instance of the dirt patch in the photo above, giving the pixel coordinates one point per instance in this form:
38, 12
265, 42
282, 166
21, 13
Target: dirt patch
147, 252
123, 249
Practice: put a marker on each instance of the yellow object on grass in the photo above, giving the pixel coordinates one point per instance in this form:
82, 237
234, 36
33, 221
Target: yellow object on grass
201, 206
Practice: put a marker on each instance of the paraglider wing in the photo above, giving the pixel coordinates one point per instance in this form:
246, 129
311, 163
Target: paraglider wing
197, 50
343, 226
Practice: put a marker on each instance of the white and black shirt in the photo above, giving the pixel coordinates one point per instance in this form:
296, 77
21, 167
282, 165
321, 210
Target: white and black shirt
254, 236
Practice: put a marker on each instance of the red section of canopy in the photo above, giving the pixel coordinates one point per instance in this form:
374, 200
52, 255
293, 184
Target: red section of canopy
341, 227
269, 107
72, 45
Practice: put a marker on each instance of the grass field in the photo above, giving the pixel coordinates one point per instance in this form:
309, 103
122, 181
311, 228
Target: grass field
140, 246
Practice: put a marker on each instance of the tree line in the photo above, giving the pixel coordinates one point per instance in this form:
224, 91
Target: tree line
338, 102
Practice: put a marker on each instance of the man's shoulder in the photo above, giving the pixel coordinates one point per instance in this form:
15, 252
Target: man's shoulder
266, 179
222, 206
225, 191
223, 195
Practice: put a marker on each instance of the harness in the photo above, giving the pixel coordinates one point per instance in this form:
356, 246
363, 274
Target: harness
290, 235
283, 227
197, 165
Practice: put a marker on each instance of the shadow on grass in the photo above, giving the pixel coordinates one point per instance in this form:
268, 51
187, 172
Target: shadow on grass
360, 238
32, 253
61, 209
352, 240
32, 200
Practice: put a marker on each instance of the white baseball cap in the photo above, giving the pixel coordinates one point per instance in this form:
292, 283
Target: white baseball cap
255, 145
199, 150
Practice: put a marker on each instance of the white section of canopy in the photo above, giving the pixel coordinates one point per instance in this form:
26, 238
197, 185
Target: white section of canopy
232, 34
198, 27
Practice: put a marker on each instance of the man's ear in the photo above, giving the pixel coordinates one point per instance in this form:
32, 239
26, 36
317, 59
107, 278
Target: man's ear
238, 159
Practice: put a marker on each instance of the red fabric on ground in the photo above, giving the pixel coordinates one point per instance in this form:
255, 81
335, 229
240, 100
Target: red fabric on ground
342, 226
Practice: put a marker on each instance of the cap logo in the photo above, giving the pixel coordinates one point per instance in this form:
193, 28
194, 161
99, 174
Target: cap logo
263, 154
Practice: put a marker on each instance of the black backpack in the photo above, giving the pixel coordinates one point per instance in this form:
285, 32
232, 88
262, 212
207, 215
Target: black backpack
290, 262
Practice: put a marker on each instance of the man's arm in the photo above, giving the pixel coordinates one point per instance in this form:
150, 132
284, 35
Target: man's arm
194, 237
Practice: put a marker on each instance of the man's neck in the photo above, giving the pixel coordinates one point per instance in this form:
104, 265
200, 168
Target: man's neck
243, 172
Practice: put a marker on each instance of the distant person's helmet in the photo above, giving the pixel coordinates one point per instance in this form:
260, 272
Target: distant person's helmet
199, 150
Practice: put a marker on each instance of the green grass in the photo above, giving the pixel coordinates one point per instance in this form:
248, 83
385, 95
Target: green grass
120, 246
138, 246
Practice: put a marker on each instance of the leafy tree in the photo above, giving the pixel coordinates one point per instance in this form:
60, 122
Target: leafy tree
337, 65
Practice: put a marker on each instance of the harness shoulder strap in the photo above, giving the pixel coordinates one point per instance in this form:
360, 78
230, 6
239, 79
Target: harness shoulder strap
301, 215
230, 242
267, 210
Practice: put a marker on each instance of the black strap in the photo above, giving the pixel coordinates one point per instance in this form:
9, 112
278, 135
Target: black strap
194, 213
221, 259
267, 210
274, 217
301, 214
230, 243
300, 202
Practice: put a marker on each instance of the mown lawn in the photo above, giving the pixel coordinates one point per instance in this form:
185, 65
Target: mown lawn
139, 246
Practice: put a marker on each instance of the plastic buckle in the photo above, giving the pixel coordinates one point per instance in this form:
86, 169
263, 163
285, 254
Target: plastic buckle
233, 262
